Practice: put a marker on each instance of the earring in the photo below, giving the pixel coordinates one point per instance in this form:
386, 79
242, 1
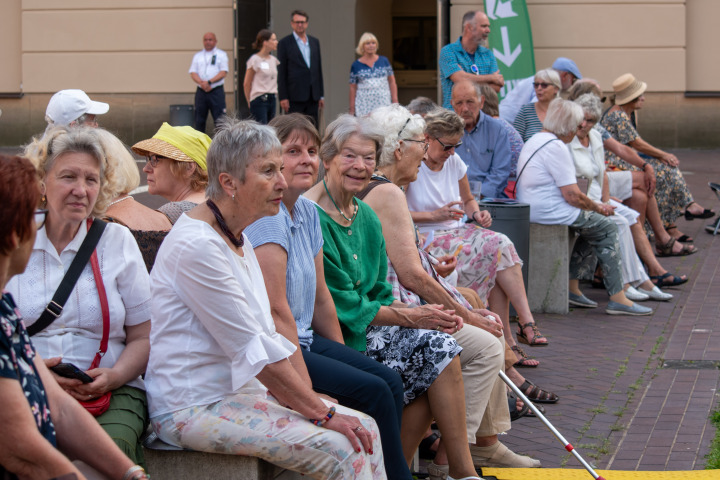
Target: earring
233, 197
43, 200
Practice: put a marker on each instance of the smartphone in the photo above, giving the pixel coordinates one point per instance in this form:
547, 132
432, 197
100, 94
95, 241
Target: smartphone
68, 370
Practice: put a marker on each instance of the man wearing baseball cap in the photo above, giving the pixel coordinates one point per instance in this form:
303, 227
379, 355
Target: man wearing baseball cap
524, 92
74, 107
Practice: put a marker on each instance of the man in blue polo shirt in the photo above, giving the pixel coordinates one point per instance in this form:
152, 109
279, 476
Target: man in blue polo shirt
485, 145
467, 59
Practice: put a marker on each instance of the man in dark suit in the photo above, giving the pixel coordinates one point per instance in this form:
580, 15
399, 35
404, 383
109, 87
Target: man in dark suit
300, 82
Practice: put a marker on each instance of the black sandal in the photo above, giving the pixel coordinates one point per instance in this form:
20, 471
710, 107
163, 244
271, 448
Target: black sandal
425, 450
537, 394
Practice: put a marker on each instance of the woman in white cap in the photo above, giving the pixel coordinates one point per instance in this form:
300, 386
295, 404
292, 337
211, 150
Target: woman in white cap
672, 193
176, 167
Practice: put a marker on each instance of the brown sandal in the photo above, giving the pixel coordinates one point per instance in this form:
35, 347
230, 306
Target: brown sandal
523, 362
537, 394
522, 338
666, 250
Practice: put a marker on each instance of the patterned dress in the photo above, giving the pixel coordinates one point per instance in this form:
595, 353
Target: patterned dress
16, 362
671, 191
373, 89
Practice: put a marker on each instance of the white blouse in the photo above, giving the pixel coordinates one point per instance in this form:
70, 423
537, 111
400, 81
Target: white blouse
75, 335
212, 330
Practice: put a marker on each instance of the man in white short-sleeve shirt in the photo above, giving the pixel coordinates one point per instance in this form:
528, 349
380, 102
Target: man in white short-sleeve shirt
208, 69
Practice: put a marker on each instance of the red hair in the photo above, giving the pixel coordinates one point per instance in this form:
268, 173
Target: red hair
19, 197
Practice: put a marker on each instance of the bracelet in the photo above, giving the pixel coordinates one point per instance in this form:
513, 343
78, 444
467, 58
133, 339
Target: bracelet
473, 215
322, 421
134, 469
644, 165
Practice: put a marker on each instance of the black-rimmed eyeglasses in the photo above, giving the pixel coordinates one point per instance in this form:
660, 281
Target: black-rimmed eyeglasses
426, 145
447, 148
153, 160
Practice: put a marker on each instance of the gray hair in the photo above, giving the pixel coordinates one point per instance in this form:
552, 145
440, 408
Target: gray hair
469, 18
590, 105
236, 145
421, 105
398, 124
548, 75
563, 117
344, 127
60, 140
442, 122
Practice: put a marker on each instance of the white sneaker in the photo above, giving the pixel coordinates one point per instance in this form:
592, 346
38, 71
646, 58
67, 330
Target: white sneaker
656, 294
633, 294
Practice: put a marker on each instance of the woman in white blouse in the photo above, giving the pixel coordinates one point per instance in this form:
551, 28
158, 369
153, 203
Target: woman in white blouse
219, 378
76, 183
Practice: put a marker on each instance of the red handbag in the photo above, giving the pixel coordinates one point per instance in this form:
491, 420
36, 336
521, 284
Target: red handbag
99, 405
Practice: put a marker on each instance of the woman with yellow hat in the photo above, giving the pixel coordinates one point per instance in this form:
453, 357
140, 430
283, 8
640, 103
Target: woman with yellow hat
672, 193
176, 168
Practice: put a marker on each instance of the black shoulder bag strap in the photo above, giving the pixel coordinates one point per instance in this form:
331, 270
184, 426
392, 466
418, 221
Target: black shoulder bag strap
517, 179
56, 305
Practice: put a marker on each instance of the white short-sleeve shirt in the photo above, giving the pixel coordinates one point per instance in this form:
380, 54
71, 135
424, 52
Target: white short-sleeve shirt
433, 190
539, 184
212, 330
75, 335
202, 64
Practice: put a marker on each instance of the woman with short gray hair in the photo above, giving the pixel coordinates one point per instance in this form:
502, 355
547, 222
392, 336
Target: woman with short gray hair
546, 181
530, 118
219, 378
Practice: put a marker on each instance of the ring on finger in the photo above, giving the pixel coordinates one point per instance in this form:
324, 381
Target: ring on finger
438, 328
357, 429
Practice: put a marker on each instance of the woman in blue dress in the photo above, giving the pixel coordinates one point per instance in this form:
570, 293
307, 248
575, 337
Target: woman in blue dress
372, 82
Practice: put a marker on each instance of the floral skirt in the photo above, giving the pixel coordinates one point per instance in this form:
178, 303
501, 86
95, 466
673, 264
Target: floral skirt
418, 355
258, 426
481, 253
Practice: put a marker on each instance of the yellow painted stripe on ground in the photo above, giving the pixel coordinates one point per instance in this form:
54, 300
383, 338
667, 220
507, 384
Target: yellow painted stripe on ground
572, 474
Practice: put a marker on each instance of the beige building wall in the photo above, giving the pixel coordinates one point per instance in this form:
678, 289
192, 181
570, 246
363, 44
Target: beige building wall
135, 54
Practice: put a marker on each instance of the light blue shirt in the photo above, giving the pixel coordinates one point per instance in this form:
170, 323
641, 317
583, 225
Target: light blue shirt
301, 237
522, 93
304, 47
486, 152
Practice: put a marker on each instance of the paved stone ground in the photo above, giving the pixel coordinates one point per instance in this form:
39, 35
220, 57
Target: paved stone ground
626, 402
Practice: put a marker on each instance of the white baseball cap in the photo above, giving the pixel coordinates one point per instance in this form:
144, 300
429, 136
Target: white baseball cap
66, 106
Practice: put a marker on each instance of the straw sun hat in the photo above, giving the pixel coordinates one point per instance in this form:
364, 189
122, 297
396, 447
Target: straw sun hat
627, 88
183, 144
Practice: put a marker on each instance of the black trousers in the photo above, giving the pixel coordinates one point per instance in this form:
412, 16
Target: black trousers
361, 383
310, 108
213, 102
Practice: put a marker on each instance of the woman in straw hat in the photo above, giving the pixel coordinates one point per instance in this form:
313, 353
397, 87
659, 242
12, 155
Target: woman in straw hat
176, 167
672, 193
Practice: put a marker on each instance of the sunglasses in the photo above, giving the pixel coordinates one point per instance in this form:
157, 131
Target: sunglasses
447, 148
542, 84
426, 145
39, 218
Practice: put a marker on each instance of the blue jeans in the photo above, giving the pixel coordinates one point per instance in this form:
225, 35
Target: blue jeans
361, 383
262, 108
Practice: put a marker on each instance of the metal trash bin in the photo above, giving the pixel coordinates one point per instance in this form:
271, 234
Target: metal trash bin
181, 115
513, 219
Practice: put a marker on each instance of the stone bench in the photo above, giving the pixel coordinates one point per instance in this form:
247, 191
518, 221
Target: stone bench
549, 271
166, 462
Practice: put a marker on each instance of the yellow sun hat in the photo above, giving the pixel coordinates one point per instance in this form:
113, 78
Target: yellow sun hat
183, 144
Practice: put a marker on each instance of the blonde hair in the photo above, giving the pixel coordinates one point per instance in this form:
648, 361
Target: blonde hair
127, 174
364, 38
59, 140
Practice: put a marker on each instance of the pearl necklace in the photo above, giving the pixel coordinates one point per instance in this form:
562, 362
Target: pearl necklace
119, 200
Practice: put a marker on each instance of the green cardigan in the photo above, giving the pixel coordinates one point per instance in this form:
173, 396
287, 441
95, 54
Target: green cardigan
356, 271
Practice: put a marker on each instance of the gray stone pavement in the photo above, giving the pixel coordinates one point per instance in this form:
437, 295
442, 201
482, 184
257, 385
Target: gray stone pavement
636, 392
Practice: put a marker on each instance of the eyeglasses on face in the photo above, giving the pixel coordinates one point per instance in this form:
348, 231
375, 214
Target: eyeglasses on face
154, 160
542, 84
426, 145
447, 148
39, 218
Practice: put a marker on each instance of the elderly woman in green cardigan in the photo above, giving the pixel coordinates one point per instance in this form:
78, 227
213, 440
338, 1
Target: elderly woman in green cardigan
413, 341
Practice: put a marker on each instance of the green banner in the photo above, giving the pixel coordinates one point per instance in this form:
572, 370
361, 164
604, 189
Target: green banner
511, 40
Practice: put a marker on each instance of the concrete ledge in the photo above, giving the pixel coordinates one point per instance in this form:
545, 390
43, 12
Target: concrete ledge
548, 273
188, 465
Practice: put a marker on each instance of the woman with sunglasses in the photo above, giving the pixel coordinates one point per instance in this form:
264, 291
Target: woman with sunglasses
76, 185
438, 199
176, 168
529, 119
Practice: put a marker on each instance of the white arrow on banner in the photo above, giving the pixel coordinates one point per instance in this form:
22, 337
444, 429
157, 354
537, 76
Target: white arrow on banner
506, 56
500, 9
